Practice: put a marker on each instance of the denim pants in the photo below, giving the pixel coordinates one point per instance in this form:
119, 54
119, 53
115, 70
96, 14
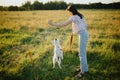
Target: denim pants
83, 39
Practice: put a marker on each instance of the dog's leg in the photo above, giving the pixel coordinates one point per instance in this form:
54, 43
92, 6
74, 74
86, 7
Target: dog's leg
59, 63
61, 54
53, 62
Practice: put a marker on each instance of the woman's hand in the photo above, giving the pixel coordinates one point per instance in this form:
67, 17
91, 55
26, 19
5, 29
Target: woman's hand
50, 22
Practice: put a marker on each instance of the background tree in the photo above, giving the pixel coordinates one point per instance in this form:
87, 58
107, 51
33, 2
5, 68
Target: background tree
56, 5
12, 8
1, 8
27, 5
22, 8
59, 5
37, 5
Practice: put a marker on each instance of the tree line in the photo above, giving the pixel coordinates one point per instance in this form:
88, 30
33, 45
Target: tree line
58, 5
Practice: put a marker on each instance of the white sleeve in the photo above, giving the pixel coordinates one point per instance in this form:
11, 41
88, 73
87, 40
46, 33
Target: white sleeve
61, 23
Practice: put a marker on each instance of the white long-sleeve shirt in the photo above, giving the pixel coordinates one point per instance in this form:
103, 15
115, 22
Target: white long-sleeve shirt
77, 23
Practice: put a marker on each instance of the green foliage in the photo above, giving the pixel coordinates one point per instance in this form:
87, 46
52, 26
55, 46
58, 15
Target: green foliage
58, 5
116, 47
26, 40
41, 30
37, 5
27, 5
4, 30
55, 5
13, 8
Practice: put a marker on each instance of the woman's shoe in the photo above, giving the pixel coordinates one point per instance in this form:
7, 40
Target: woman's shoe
77, 71
80, 74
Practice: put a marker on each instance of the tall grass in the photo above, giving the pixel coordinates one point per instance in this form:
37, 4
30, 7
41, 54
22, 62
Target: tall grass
26, 50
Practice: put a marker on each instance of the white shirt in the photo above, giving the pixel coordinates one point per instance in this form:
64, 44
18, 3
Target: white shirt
77, 23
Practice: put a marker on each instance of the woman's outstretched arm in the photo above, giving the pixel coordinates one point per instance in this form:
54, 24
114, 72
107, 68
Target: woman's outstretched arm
60, 24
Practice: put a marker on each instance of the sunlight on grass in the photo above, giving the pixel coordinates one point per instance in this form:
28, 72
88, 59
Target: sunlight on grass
26, 50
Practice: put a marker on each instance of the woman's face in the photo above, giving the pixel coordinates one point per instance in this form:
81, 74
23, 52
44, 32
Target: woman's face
70, 13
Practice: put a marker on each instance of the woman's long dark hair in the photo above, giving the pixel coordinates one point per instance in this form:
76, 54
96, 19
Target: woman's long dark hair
74, 11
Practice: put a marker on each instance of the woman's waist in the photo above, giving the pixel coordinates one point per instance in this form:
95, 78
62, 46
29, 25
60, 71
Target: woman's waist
77, 30
82, 31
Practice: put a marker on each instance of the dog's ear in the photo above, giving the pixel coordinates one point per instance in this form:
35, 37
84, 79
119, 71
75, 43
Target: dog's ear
58, 40
52, 42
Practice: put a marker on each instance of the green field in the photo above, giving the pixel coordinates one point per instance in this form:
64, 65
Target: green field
26, 50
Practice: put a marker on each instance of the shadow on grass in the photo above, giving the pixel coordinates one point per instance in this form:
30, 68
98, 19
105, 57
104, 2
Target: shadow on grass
41, 69
101, 68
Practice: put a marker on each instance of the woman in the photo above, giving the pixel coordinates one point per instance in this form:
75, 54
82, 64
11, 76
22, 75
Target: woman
78, 27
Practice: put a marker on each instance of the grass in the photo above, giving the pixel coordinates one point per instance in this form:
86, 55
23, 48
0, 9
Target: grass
26, 50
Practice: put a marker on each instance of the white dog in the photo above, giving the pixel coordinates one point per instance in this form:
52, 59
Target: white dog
58, 53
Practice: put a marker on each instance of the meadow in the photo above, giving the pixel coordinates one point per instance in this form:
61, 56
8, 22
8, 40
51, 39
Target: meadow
26, 50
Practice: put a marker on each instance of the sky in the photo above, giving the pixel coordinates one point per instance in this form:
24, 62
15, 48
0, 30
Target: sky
20, 2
